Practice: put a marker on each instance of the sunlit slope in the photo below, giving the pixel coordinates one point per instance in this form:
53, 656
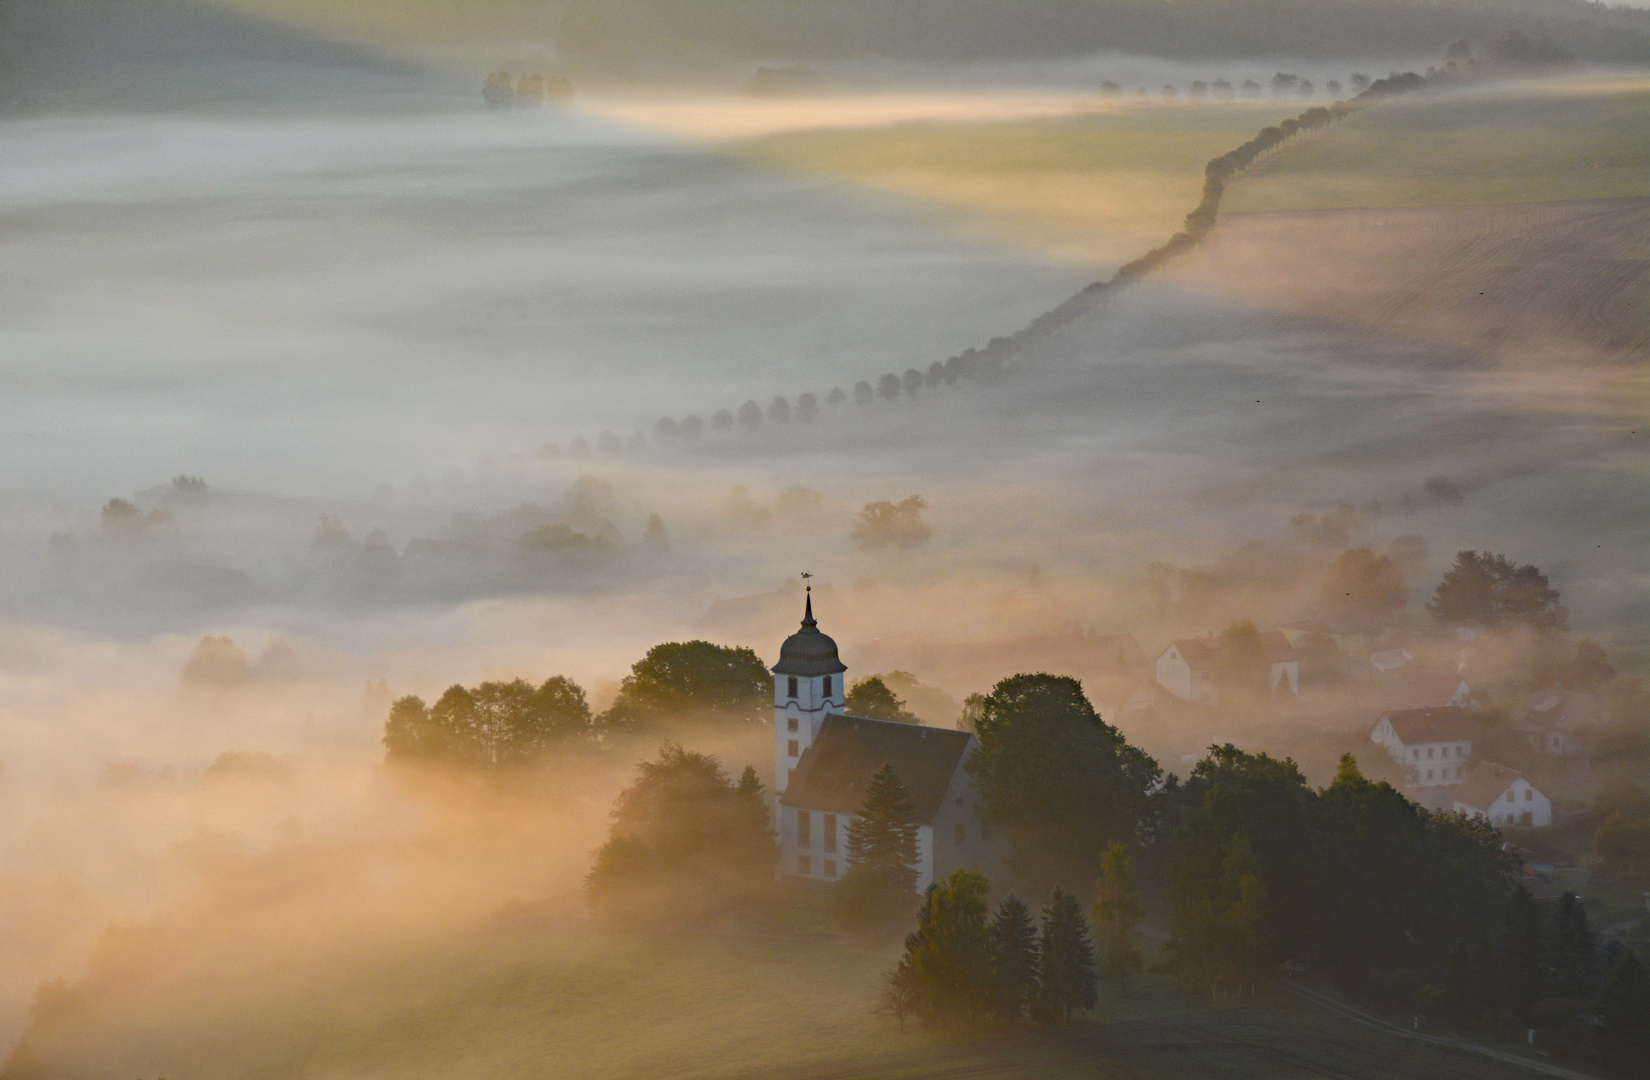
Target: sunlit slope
1537, 279
1100, 188
542, 999
1539, 144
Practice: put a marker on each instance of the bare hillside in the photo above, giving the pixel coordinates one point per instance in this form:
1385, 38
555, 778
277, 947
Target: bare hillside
1567, 279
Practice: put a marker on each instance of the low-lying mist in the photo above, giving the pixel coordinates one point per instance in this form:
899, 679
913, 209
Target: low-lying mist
408, 363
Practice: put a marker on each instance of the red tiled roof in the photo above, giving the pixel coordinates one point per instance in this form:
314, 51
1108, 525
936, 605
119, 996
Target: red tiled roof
1484, 784
1557, 709
1428, 691
1200, 653
1446, 724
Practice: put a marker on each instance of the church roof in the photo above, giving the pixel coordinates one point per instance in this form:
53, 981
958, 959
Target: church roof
834, 773
808, 652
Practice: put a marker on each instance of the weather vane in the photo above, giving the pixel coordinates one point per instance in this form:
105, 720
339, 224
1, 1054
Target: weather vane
805, 586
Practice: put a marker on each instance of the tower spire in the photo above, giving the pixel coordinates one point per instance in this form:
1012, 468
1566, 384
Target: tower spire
808, 604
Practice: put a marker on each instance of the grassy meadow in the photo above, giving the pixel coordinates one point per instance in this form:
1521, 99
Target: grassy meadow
1538, 143
541, 992
1096, 188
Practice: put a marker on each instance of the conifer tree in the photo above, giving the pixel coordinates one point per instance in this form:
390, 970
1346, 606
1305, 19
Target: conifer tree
1116, 911
1459, 1002
1068, 981
1014, 960
1572, 953
1624, 1006
1521, 950
881, 881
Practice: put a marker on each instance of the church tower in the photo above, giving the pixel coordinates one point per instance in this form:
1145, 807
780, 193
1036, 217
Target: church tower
807, 685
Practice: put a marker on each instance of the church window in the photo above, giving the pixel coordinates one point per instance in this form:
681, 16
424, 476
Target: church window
804, 822
1429, 753
790, 686
804, 865
962, 834
1529, 795
830, 868
1429, 774
790, 747
790, 723
827, 686
828, 831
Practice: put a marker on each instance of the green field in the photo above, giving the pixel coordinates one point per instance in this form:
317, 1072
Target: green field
1553, 142
549, 995
1098, 188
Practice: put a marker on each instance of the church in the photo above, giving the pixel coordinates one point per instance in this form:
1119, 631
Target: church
824, 760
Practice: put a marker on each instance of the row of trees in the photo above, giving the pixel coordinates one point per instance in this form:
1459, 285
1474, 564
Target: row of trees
499, 724
964, 964
1283, 85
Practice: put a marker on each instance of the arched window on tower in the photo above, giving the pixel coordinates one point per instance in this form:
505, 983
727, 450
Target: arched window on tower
827, 686
790, 686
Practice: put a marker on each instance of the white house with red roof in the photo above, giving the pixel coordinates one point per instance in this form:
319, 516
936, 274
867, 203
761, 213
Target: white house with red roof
1187, 667
1559, 721
1434, 746
1502, 796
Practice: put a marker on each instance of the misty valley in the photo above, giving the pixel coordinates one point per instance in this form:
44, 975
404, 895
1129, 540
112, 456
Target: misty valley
913, 538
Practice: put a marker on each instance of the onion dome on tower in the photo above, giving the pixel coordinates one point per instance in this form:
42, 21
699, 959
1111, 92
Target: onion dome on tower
808, 652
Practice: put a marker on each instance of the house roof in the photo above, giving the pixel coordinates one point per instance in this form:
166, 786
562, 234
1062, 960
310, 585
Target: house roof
1558, 709
834, 773
1446, 724
1484, 784
1200, 653
1429, 691
1309, 628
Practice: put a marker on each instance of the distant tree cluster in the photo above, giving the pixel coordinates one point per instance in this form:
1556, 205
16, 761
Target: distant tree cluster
887, 526
499, 724
1490, 592
501, 90
686, 842
494, 725
964, 965
871, 697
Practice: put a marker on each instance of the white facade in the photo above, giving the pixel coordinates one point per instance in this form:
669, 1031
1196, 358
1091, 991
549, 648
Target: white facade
800, 704
1176, 674
1426, 764
814, 844
1519, 803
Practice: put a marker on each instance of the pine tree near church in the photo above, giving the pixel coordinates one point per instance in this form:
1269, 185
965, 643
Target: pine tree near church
1014, 959
880, 885
1068, 961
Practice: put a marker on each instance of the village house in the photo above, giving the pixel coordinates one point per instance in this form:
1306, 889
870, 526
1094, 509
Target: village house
1390, 660
1433, 745
1425, 690
1559, 721
1299, 632
1187, 668
1502, 796
824, 760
